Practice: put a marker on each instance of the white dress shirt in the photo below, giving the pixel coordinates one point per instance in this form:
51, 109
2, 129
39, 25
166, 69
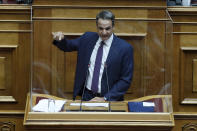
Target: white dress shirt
106, 48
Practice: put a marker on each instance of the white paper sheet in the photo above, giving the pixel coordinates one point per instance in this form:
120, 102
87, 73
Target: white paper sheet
49, 105
148, 104
91, 104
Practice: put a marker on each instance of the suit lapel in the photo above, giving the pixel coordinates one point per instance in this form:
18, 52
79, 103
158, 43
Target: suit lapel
112, 51
90, 46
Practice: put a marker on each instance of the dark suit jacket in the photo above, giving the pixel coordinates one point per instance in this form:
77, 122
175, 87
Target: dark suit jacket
119, 64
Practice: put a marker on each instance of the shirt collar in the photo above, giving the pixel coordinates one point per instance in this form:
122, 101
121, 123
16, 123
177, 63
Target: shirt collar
108, 41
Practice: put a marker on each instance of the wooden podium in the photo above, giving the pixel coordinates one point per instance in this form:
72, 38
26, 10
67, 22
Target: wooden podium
97, 119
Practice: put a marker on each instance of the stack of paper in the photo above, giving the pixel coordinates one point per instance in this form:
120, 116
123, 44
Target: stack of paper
49, 105
91, 104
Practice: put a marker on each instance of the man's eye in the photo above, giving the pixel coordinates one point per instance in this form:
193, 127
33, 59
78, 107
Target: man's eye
108, 28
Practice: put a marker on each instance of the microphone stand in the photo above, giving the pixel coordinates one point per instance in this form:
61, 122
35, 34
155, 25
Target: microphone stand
84, 88
109, 109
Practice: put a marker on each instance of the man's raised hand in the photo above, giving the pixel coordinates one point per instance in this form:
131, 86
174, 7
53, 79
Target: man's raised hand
58, 36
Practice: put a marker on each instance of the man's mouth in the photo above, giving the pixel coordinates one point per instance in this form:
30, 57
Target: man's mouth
104, 36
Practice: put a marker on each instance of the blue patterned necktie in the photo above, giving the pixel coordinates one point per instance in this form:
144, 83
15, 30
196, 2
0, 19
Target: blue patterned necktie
97, 66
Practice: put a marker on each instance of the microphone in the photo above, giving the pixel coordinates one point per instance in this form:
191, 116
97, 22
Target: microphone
87, 73
105, 66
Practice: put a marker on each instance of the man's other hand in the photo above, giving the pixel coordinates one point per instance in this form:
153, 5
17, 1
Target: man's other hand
100, 99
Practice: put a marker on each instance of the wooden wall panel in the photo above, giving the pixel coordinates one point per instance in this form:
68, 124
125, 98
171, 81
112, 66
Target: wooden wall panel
9, 38
184, 52
15, 43
2, 73
15, 13
15, 32
7, 55
184, 18
187, 56
15, 17
81, 26
71, 61
194, 69
83, 13
187, 40
23, 70
155, 47
41, 55
185, 27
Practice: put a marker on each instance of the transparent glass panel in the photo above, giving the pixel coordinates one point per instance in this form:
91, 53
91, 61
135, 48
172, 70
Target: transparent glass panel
53, 70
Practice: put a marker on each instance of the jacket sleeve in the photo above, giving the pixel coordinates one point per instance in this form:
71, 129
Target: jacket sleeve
68, 45
122, 85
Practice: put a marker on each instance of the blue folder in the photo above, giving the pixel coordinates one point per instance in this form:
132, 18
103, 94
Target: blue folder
138, 107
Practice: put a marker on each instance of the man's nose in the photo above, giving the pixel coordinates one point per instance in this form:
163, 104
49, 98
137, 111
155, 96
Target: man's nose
104, 31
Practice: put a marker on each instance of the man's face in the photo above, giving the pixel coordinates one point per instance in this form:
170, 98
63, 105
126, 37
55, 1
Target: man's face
104, 28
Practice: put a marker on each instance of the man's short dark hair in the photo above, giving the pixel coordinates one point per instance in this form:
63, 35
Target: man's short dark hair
106, 15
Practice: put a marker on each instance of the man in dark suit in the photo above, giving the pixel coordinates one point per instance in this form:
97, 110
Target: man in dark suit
104, 61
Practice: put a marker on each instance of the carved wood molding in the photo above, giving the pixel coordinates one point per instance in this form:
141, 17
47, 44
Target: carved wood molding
101, 3
15, 31
118, 34
7, 99
189, 101
12, 113
185, 115
7, 126
182, 9
185, 98
8, 46
189, 127
188, 48
14, 7
19, 21
130, 19
185, 33
184, 22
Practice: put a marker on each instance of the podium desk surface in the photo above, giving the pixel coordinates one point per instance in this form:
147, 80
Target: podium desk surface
89, 117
